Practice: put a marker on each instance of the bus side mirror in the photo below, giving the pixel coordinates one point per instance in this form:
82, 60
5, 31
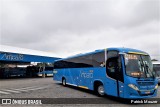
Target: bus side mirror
155, 74
125, 58
126, 61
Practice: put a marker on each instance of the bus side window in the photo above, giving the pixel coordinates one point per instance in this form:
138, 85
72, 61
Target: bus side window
111, 67
98, 59
114, 66
112, 63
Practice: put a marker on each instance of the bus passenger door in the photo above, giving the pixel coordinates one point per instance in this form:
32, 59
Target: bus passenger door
114, 74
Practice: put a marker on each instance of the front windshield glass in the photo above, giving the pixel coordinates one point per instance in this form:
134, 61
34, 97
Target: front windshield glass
138, 65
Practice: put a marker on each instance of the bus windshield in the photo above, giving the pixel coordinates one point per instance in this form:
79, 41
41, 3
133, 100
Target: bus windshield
138, 66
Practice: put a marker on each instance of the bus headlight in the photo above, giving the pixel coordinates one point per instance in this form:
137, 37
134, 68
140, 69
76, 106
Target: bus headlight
156, 86
133, 87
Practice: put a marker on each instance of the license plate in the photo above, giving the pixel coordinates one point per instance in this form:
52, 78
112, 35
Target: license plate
147, 92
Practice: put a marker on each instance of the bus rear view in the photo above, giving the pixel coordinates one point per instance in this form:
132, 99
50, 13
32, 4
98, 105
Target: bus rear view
119, 72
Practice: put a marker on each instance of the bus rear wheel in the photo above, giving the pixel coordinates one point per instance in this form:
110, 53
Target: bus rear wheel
63, 81
100, 90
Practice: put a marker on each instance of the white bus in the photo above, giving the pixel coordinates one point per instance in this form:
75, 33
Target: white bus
156, 67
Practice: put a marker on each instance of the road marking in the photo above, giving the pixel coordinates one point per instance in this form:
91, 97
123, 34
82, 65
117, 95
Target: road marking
25, 89
37, 88
2, 92
19, 90
29, 89
10, 91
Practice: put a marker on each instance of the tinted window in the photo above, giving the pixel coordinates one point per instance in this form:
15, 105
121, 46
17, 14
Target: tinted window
98, 59
112, 54
78, 62
91, 60
114, 66
111, 67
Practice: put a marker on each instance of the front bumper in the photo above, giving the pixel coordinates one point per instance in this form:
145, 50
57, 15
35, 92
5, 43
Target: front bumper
133, 94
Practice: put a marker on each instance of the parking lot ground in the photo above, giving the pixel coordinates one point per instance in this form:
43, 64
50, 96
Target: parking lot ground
51, 90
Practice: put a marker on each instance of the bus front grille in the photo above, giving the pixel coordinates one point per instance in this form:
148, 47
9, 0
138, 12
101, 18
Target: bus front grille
145, 83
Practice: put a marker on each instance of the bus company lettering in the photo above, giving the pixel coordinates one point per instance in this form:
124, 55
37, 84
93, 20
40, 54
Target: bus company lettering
11, 57
86, 75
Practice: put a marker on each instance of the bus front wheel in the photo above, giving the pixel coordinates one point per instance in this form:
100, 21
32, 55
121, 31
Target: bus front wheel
100, 90
63, 81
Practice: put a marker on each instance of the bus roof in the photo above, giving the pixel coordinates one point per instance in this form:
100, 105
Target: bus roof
124, 50
128, 50
156, 62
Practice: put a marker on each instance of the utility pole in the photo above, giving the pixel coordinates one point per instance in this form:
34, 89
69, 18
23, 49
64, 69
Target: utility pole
43, 74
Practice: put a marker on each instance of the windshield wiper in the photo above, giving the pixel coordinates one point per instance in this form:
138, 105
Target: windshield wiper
143, 68
149, 71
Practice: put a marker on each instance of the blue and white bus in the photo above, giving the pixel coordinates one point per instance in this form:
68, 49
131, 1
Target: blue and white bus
48, 71
119, 72
156, 68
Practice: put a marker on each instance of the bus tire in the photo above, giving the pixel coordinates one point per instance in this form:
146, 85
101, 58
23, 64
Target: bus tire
63, 81
100, 90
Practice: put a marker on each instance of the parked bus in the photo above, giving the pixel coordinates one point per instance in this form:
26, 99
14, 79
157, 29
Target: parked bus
48, 71
7, 72
156, 67
32, 71
119, 72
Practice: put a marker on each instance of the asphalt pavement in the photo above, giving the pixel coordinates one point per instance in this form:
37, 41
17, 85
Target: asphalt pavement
46, 88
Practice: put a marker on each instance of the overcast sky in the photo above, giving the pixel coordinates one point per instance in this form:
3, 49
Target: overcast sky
67, 27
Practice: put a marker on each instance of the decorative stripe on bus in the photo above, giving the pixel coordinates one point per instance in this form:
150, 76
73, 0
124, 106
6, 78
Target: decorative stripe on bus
71, 84
39, 75
49, 74
137, 53
83, 87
